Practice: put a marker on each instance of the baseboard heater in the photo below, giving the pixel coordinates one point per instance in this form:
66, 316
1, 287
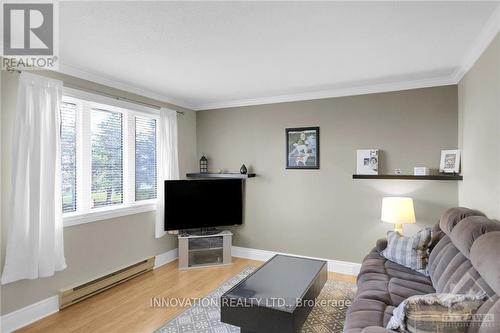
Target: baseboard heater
70, 296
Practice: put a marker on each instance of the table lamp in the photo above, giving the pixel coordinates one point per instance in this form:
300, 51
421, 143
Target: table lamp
398, 211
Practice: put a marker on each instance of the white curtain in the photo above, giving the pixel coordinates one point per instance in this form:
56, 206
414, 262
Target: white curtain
35, 246
167, 163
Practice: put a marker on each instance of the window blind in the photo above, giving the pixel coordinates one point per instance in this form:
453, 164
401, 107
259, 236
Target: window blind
145, 158
68, 113
106, 130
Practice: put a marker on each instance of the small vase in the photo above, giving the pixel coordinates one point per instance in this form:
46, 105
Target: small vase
243, 170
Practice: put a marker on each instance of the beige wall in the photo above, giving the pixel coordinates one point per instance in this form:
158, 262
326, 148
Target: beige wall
325, 213
96, 248
479, 129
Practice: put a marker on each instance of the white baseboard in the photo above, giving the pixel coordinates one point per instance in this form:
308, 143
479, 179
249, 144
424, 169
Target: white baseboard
337, 266
165, 258
31, 313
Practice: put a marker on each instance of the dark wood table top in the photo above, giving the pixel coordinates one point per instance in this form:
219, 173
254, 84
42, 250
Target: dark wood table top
283, 277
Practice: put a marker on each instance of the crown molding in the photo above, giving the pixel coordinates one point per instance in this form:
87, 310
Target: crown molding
490, 29
117, 84
312, 95
337, 92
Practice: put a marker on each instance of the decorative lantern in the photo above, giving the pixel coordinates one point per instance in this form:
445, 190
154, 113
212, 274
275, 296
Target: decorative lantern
203, 164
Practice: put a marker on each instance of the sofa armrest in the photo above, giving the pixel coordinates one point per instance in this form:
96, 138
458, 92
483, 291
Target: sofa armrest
381, 244
376, 329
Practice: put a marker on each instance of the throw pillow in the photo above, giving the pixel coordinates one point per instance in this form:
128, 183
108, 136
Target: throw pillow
410, 251
436, 313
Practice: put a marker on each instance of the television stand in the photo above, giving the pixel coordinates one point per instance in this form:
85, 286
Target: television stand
203, 250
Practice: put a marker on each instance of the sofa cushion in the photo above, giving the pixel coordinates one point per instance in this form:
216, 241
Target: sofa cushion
469, 229
367, 312
401, 289
451, 272
485, 254
454, 215
401, 272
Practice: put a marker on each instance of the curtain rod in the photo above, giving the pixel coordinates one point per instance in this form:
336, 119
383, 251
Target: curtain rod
120, 98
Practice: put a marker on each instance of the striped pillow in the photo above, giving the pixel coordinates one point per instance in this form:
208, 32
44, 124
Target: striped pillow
410, 251
447, 313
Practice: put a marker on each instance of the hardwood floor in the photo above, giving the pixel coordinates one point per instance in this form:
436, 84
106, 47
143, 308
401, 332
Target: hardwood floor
127, 307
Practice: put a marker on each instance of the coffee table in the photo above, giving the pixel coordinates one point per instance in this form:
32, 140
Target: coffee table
277, 297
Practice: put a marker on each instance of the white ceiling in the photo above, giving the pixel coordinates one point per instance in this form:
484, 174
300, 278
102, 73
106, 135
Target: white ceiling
215, 54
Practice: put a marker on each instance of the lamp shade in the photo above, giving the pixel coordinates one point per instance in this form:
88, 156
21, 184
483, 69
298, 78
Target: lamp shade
398, 210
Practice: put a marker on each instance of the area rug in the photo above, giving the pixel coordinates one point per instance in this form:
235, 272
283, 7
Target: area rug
203, 316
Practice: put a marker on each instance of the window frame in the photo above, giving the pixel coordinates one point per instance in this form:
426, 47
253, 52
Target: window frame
85, 103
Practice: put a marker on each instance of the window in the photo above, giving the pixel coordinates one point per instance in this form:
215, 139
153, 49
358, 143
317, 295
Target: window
106, 129
145, 158
68, 157
108, 157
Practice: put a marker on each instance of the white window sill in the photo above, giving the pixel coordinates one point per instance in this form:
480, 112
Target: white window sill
99, 214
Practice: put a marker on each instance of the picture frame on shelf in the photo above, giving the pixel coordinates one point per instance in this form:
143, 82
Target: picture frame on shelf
367, 161
302, 148
450, 161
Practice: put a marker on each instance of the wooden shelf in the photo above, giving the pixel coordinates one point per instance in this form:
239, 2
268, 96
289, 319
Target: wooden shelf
220, 175
207, 249
410, 177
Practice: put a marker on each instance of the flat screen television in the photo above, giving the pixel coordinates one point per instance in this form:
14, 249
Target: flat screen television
203, 203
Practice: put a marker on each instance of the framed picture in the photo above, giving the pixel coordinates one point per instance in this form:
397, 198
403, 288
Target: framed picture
367, 162
450, 161
302, 148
